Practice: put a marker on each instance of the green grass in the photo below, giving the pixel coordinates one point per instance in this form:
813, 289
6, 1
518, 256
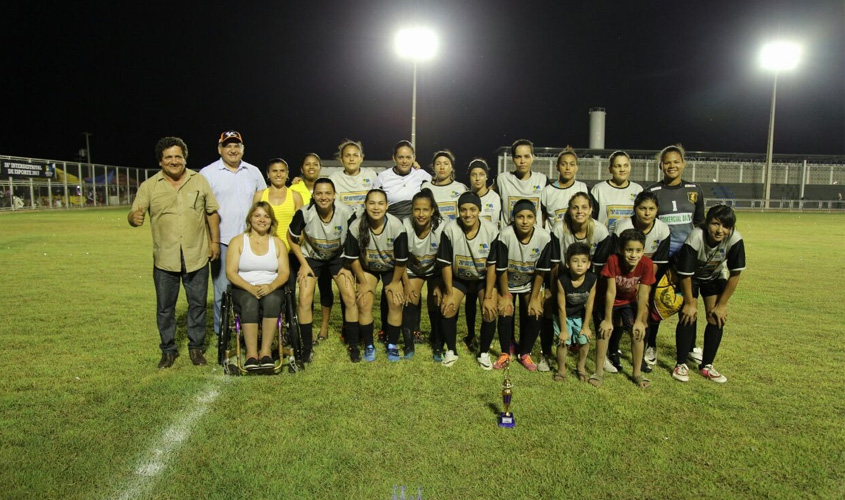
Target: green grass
83, 404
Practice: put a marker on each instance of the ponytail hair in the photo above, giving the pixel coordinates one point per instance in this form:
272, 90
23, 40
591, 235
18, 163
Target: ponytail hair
365, 226
426, 194
567, 218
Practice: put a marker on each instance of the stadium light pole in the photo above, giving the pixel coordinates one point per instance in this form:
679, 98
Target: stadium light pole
418, 45
776, 57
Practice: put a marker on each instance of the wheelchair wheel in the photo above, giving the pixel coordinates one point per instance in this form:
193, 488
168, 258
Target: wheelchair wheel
225, 329
291, 332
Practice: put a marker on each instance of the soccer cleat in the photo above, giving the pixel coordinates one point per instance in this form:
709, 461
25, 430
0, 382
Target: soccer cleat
484, 361
695, 355
370, 353
614, 360
608, 366
503, 360
645, 367
393, 352
543, 365
449, 358
354, 355
437, 356
681, 373
409, 353
651, 355
710, 373
528, 363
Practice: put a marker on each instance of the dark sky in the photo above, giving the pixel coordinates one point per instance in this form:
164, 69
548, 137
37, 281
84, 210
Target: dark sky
300, 76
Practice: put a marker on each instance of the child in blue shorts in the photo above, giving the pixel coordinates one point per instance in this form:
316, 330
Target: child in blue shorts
576, 292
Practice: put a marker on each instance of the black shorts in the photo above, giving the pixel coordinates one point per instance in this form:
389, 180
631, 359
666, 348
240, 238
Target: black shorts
250, 309
466, 286
385, 276
708, 288
332, 267
626, 314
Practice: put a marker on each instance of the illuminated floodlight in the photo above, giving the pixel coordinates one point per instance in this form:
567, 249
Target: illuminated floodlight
780, 56
416, 44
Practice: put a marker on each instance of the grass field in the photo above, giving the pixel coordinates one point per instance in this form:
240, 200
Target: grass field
86, 414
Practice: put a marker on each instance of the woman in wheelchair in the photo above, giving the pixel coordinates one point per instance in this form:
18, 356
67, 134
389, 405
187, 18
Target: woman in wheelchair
257, 266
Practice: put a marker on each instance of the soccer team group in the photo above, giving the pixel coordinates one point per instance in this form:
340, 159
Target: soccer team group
617, 254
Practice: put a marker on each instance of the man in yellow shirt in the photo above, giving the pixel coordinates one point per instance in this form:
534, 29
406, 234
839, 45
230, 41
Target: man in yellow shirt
186, 235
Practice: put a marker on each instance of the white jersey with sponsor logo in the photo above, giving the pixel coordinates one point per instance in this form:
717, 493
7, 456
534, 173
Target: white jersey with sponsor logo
384, 251
600, 246
422, 252
352, 189
555, 200
491, 207
705, 263
523, 260
321, 240
468, 257
511, 189
656, 240
446, 197
614, 203
401, 187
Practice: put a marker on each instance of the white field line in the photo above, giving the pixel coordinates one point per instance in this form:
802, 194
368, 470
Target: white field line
157, 457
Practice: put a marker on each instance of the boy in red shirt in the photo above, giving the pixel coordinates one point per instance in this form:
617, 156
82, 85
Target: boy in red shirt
627, 278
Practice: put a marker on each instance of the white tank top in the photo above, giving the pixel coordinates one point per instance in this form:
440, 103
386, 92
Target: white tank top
258, 269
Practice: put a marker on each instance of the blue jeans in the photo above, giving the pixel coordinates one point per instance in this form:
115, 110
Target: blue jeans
221, 282
167, 293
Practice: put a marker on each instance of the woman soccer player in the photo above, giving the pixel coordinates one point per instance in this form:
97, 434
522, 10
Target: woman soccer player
257, 267
524, 256
353, 183
316, 237
615, 197
522, 183
579, 226
423, 228
681, 208
709, 250
377, 247
402, 181
467, 266
445, 188
555, 197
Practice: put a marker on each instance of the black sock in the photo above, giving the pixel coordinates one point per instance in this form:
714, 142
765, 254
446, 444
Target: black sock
436, 319
488, 331
305, 334
383, 309
712, 339
529, 330
505, 328
366, 334
351, 328
410, 317
450, 332
392, 334
470, 312
683, 340
547, 336
651, 340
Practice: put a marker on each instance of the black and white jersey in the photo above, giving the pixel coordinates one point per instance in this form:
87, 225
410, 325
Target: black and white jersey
352, 189
491, 207
384, 250
681, 208
656, 240
321, 240
422, 252
705, 263
613, 203
468, 257
511, 189
601, 245
446, 197
555, 200
401, 187
523, 260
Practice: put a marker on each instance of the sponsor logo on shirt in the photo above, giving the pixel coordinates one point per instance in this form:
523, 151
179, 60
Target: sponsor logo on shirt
692, 197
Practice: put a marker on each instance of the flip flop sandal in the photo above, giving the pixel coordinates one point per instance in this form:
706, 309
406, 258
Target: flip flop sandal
582, 377
595, 380
642, 381
559, 377
322, 337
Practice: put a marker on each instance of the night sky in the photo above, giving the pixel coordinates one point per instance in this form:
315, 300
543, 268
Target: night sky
295, 77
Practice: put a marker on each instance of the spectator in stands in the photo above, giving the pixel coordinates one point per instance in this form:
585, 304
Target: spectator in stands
183, 242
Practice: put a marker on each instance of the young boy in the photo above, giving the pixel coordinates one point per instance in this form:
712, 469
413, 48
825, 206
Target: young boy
627, 279
576, 293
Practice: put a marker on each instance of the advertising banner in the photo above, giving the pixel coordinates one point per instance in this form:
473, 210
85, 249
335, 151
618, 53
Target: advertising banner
15, 168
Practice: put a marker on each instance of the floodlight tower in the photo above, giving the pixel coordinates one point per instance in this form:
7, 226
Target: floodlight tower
417, 44
776, 57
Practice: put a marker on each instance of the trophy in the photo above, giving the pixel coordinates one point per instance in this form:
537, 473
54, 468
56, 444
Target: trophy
506, 418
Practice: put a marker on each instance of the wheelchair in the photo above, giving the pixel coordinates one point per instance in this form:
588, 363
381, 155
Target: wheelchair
287, 348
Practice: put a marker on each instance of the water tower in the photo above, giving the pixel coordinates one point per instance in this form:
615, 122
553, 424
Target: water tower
597, 118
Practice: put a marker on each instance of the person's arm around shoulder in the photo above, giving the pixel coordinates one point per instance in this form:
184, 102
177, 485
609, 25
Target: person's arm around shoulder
297, 200
257, 196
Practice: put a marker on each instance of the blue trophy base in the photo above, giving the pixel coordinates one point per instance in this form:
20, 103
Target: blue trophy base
506, 420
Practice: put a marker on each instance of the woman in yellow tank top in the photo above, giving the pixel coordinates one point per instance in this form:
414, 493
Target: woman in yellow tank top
285, 202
